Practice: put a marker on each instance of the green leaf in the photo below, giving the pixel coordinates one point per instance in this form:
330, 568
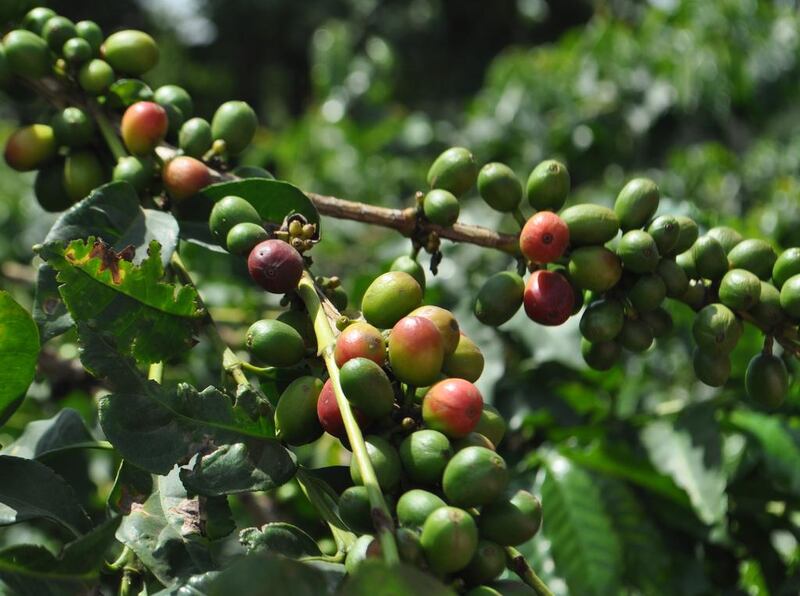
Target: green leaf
49, 311
251, 575
126, 92
780, 448
131, 488
326, 502
376, 578
63, 432
152, 319
584, 545
19, 352
689, 451
279, 538
31, 490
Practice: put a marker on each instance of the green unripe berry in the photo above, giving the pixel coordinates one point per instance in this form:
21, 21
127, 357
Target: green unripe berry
754, 255
130, 52
389, 298
195, 137
790, 296
91, 32
367, 387
712, 369
175, 120
499, 187
766, 380
385, 461
414, 507
235, 123
602, 320
425, 454
768, 312
674, 277
77, 51
695, 295
449, 539
594, 268
739, 289
173, 95
57, 31
96, 76
248, 171
37, 18
647, 293
27, 54
83, 172
709, 258
590, 224
636, 203
659, 321
49, 188
296, 420
474, 476
510, 522
412, 267
229, 211
601, 355
685, 261
638, 252
548, 186
716, 329
665, 231
454, 170
355, 509
491, 425
243, 237
727, 237
488, 563
687, 234
137, 171
72, 127
636, 335
275, 343
499, 298
441, 207
466, 362
786, 266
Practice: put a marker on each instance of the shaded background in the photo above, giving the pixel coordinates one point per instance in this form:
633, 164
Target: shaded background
356, 97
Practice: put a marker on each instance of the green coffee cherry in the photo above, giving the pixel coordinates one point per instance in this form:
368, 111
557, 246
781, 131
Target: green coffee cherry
389, 298
755, 256
602, 320
250, 171
130, 52
601, 355
367, 387
275, 343
235, 123
766, 380
473, 439
491, 425
695, 295
173, 95
638, 251
385, 461
712, 369
454, 170
786, 266
659, 321
412, 267
727, 237
548, 186
716, 329
229, 211
449, 539
365, 547
488, 563
414, 507
57, 31
76, 51
685, 261
49, 188
409, 547
195, 137
137, 171
636, 203
5, 69
590, 224
499, 187
687, 234
37, 18
636, 335
709, 258
355, 509
96, 76
27, 54
425, 454
91, 32
594, 268
175, 120
510, 522
83, 172
499, 298
790, 296
466, 362
665, 231
243, 238
739, 289
300, 322
474, 476
441, 207
647, 293
768, 312
72, 127
296, 420
676, 282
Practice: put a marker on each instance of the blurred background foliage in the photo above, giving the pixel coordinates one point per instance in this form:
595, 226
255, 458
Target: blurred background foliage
652, 483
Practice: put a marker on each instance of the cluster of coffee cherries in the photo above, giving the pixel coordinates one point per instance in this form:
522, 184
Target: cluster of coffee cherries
577, 257
100, 76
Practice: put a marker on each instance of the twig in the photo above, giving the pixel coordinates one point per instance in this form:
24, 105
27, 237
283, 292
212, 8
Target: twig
518, 564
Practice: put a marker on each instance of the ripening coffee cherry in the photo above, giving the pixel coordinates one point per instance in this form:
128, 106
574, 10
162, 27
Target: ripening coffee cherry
674, 277
244, 237
548, 186
491, 424
712, 369
499, 187
49, 188
296, 420
790, 296
665, 231
727, 237
30, 147
449, 539
441, 207
548, 298
455, 170
687, 235
786, 266
767, 380
329, 415
636, 203
77, 51
130, 52
445, 323
37, 18
275, 343
544, 238
474, 476
753, 255
647, 293
709, 258
91, 33
416, 351
235, 123
601, 355
452, 407
144, 126
57, 31
768, 312
638, 252
229, 211
355, 509
499, 298
96, 76
602, 320
184, 177
385, 461
412, 267
195, 138
424, 454
590, 224
173, 95
72, 128
275, 266
466, 362
739, 289
367, 387
510, 522
360, 340
389, 298
414, 506
27, 54
83, 172
716, 329
136, 171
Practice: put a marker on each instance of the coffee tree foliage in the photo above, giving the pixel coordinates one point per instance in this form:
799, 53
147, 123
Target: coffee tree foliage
650, 481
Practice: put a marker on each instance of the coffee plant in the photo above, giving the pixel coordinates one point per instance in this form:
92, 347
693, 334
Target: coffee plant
427, 504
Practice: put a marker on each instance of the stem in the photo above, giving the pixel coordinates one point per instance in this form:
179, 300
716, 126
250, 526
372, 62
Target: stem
121, 561
108, 134
519, 217
326, 341
518, 564
156, 372
264, 371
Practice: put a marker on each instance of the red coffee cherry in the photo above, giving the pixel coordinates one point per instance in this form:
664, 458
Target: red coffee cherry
548, 298
360, 340
329, 415
144, 126
544, 238
275, 266
185, 176
452, 407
